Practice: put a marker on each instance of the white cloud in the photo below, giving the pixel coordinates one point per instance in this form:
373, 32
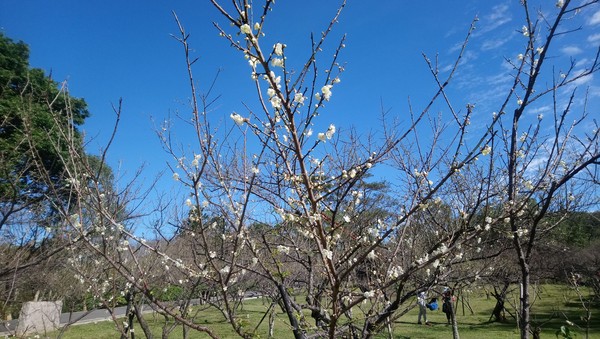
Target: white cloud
493, 44
499, 16
571, 50
595, 19
594, 38
537, 110
583, 80
499, 79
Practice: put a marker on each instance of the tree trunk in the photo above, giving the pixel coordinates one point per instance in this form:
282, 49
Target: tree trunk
291, 312
498, 312
524, 324
143, 324
455, 334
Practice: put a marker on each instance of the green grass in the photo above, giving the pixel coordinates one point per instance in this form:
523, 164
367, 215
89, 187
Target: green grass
552, 303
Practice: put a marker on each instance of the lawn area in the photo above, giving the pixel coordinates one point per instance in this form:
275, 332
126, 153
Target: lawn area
552, 304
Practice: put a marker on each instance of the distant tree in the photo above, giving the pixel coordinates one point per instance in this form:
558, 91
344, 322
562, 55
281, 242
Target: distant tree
35, 111
31, 106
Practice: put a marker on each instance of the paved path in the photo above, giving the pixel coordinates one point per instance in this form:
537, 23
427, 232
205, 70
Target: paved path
76, 318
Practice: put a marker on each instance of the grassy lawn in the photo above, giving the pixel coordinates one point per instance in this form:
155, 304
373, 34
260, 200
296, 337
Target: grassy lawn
552, 304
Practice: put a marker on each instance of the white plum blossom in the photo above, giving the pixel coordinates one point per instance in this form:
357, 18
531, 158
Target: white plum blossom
520, 56
275, 102
283, 249
525, 31
346, 218
277, 62
225, 269
176, 176
256, 26
278, 49
252, 61
328, 254
321, 136
486, 150
560, 3
326, 90
369, 294
238, 119
395, 272
299, 98
245, 29
330, 131
372, 255
212, 254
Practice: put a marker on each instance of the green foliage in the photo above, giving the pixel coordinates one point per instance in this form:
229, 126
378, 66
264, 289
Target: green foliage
169, 293
580, 229
33, 111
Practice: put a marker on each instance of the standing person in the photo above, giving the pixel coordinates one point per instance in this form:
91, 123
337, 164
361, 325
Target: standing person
447, 304
422, 302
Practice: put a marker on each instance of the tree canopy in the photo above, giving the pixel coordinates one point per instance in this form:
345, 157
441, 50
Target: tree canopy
32, 104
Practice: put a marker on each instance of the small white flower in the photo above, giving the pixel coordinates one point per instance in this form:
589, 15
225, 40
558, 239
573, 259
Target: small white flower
188, 202
256, 26
277, 62
326, 90
346, 218
369, 294
245, 29
330, 131
540, 50
525, 31
212, 254
283, 249
299, 98
176, 176
278, 49
560, 3
372, 255
486, 150
275, 102
519, 102
328, 254
238, 119
321, 136
540, 116
520, 56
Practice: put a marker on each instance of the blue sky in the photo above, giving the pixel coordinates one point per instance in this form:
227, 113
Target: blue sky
112, 49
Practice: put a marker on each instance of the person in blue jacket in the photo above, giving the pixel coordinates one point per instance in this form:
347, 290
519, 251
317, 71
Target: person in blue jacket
433, 304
